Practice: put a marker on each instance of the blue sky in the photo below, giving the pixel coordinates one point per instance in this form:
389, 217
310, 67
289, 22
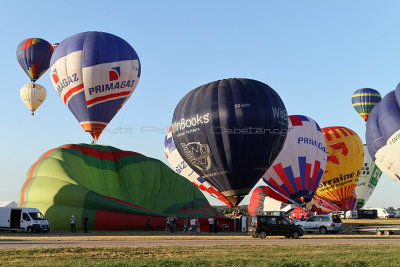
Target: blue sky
315, 54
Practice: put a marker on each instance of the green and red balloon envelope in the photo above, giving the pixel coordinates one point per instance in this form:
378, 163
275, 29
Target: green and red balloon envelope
117, 189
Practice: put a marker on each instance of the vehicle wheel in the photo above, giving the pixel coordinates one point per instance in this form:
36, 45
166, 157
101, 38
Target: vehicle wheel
29, 229
323, 230
263, 235
295, 235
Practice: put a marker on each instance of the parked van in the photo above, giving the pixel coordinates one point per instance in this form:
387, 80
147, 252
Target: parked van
23, 219
382, 213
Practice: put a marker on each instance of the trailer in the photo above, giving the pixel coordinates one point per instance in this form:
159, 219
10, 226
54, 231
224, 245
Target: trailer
378, 229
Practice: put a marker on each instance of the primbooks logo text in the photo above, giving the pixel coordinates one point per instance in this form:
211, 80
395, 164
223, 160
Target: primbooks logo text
192, 122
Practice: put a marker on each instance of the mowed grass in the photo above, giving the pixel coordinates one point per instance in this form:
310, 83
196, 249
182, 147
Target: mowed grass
337, 255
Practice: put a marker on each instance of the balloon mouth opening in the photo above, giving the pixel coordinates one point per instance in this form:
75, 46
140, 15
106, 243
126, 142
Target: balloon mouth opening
95, 129
95, 135
235, 200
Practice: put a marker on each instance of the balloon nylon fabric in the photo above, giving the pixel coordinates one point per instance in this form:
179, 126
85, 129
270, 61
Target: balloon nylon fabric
264, 198
344, 163
103, 181
229, 132
369, 178
33, 95
181, 167
383, 134
34, 55
299, 167
364, 100
94, 73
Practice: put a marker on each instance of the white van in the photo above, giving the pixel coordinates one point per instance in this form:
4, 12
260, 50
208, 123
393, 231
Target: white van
382, 213
23, 219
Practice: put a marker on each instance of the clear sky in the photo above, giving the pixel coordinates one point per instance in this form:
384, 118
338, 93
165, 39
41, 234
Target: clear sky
315, 54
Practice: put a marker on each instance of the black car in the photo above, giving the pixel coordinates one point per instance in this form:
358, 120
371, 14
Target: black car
269, 225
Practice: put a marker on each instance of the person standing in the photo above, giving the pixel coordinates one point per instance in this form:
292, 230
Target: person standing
167, 222
197, 225
215, 225
186, 225
174, 224
72, 222
85, 223
210, 224
148, 224
193, 225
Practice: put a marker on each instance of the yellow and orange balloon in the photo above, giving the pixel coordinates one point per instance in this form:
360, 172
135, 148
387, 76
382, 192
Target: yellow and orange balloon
345, 158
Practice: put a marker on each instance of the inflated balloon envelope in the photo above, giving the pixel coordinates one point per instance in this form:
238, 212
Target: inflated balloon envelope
33, 55
94, 73
383, 134
345, 158
299, 167
180, 166
229, 132
369, 177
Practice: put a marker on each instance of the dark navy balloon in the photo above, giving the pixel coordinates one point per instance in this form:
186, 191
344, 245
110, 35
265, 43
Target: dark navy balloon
34, 55
230, 132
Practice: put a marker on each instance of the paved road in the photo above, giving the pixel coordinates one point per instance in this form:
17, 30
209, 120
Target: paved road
217, 242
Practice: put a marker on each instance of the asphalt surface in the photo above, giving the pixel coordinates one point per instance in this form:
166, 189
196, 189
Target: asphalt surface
23, 244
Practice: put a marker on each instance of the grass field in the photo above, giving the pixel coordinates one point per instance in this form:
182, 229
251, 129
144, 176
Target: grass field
348, 255
272, 255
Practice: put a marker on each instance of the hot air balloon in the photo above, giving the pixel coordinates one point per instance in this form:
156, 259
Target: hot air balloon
345, 157
33, 95
34, 55
321, 206
299, 167
261, 200
117, 189
364, 100
94, 73
229, 132
382, 135
369, 177
181, 167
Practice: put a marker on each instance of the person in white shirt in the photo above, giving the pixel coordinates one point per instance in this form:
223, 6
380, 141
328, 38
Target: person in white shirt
72, 222
193, 224
211, 224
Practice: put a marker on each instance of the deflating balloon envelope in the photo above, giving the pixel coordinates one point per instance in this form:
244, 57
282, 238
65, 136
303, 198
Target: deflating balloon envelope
229, 132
